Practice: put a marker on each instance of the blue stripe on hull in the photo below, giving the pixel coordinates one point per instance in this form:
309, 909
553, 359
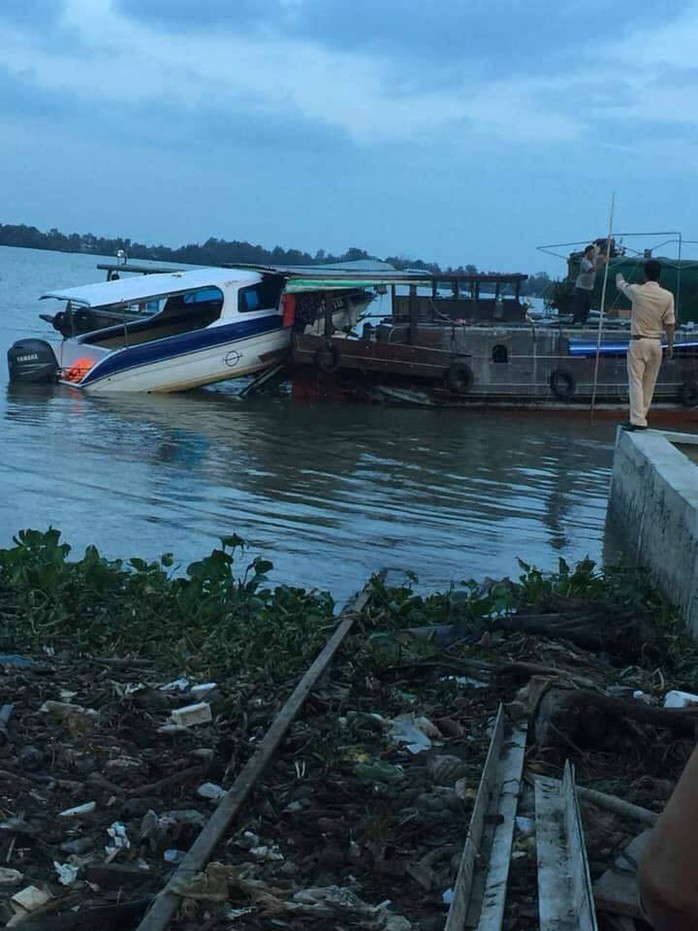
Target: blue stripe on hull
182, 345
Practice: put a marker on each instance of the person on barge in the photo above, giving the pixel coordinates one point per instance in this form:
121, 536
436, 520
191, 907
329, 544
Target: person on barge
584, 284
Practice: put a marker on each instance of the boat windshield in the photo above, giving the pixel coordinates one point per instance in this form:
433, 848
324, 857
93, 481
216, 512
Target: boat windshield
176, 303
156, 318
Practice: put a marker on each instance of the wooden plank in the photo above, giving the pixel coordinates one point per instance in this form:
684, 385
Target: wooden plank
480, 896
583, 896
458, 911
511, 769
554, 894
167, 901
565, 898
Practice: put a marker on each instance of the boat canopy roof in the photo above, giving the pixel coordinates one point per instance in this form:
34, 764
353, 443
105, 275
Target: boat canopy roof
319, 277
326, 277
149, 287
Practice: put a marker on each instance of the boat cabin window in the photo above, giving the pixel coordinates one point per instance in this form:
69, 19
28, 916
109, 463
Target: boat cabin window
207, 301
143, 323
500, 353
262, 296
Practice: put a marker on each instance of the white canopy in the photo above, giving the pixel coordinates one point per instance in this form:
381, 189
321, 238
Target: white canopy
150, 287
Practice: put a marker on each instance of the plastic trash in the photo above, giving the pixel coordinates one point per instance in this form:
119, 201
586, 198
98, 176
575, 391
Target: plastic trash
10, 877
267, 852
247, 840
78, 811
678, 699
525, 825
211, 790
62, 708
447, 896
174, 856
413, 732
200, 692
119, 839
467, 680
177, 685
12, 659
67, 872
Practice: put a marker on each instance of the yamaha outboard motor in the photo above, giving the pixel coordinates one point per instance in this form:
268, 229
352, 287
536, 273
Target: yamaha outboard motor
32, 360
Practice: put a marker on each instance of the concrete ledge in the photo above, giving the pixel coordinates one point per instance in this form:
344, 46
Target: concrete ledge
653, 507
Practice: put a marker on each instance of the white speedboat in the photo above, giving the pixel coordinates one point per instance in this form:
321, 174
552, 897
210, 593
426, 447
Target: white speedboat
185, 329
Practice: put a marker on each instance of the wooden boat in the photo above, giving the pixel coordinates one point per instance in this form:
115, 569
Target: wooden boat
478, 347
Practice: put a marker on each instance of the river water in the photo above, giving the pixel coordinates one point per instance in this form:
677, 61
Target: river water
328, 492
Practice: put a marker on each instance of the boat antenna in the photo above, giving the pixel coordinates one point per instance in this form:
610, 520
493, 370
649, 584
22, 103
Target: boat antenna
601, 310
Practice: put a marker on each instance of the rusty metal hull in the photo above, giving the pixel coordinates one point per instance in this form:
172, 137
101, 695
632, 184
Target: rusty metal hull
514, 368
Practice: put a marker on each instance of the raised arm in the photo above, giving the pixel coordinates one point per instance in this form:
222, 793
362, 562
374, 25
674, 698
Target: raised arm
623, 286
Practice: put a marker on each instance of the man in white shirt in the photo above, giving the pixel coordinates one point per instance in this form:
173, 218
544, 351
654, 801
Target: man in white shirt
652, 313
584, 284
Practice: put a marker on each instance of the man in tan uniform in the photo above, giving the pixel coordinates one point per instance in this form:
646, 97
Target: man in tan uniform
652, 312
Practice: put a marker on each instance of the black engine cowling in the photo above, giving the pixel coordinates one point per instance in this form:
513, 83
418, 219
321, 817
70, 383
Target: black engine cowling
32, 360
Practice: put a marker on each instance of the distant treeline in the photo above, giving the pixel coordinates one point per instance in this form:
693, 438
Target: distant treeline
220, 251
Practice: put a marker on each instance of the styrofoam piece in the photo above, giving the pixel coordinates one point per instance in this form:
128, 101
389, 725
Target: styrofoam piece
30, 898
191, 715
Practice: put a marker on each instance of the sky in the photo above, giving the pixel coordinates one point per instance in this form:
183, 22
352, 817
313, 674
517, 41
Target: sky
455, 131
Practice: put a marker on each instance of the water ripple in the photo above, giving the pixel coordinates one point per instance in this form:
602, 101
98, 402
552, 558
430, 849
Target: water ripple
329, 493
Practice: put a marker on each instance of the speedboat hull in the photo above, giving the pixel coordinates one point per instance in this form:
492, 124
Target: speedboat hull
179, 363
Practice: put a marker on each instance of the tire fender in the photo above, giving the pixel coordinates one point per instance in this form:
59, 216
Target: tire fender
460, 378
688, 393
328, 358
562, 384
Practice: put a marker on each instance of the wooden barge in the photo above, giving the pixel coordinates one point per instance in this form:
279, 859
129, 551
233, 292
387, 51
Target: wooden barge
479, 346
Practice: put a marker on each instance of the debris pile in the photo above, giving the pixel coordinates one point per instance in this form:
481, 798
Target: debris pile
111, 765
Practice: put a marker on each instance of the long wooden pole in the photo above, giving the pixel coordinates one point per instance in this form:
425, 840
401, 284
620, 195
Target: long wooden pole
167, 901
603, 305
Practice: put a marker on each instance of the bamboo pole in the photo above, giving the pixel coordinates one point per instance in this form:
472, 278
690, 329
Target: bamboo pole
601, 311
618, 806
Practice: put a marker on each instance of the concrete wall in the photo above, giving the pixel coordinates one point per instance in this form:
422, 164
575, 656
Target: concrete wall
653, 508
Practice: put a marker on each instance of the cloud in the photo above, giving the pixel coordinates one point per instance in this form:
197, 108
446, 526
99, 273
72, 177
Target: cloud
32, 12
115, 61
448, 34
354, 108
